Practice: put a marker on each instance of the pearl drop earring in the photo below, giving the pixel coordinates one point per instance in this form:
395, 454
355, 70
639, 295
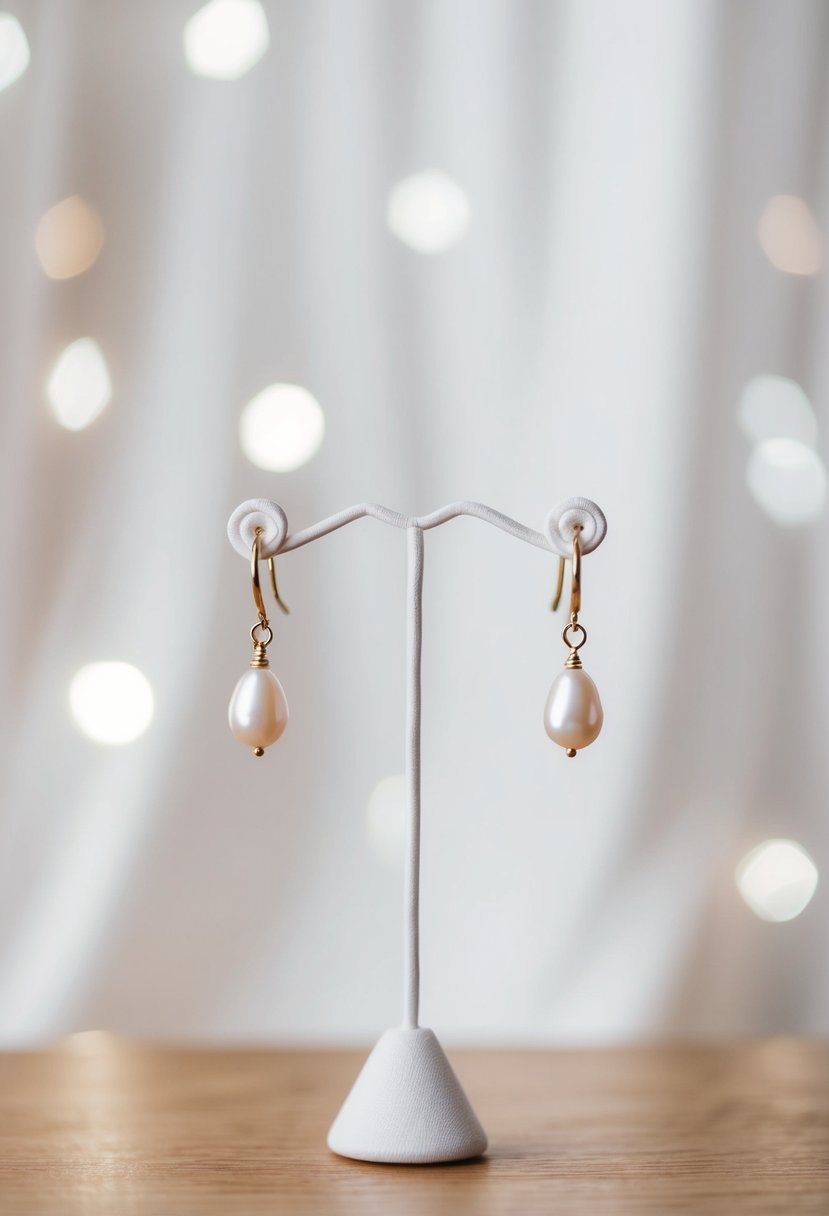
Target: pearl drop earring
258, 710
573, 714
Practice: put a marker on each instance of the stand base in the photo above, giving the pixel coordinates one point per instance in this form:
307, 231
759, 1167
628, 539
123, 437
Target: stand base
407, 1106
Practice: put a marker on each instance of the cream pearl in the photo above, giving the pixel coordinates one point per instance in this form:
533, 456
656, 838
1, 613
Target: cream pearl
573, 714
258, 710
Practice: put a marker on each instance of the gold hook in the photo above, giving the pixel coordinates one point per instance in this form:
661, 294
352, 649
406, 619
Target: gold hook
257, 588
575, 592
575, 586
254, 575
559, 586
275, 589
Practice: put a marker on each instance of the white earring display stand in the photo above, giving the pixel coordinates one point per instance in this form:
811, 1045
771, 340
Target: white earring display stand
407, 1106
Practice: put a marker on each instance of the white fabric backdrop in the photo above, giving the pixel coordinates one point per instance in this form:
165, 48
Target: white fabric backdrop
590, 335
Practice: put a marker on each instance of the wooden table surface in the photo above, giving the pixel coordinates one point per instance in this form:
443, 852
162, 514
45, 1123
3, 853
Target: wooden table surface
98, 1124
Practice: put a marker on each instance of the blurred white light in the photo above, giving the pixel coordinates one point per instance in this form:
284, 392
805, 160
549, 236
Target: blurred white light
777, 879
281, 428
69, 238
428, 211
14, 50
789, 235
774, 407
385, 815
788, 480
226, 38
79, 386
111, 702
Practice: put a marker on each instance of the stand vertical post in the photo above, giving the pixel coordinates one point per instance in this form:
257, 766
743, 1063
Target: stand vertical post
411, 896
407, 1105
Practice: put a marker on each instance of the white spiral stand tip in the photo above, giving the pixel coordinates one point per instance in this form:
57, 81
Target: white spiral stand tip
253, 514
575, 513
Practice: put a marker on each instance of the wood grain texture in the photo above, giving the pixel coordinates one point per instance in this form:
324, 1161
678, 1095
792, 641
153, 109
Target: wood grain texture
99, 1125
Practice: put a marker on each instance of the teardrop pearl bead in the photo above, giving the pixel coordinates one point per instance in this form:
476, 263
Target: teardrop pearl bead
573, 714
258, 710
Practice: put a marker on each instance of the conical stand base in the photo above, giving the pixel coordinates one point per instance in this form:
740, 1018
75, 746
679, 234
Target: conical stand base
407, 1106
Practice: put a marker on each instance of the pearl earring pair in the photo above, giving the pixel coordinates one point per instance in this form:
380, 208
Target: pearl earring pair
258, 710
573, 714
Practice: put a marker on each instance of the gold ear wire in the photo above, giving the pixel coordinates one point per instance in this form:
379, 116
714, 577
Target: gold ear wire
559, 586
575, 590
575, 586
257, 588
254, 577
276, 595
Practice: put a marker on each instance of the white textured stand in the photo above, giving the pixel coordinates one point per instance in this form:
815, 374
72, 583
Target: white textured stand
407, 1106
